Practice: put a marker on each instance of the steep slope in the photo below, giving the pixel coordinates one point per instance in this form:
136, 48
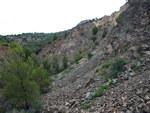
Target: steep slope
129, 39
78, 39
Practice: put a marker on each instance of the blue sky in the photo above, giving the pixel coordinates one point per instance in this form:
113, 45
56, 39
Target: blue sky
22, 16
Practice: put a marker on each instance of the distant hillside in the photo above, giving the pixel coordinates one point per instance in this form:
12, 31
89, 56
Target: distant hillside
34, 41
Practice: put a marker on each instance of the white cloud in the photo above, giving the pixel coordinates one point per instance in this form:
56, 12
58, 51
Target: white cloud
17, 16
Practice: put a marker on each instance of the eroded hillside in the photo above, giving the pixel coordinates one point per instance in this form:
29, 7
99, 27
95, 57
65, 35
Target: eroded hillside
79, 38
91, 86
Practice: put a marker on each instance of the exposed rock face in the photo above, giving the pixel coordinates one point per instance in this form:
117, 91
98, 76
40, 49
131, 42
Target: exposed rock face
79, 38
130, 39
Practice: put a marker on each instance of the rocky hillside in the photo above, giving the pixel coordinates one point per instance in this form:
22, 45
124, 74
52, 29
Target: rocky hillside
79, 38
87, 87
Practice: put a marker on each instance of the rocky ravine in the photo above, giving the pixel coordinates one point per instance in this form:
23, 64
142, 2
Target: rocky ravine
131, 94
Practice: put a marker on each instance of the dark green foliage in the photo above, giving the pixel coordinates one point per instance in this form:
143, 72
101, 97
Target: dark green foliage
140, 59
104, 33
95, 30
6, 44
138, 66
46, 64
93, 38
40, 76
34, 58
56, 36
89, 55
65, 61
102, 90
117, 66
111, 83
106, 79
98, 93
20, 89
23, 80
106, 65
55, 64
27, 52
86, 106
118, 19
97, 70
77, 58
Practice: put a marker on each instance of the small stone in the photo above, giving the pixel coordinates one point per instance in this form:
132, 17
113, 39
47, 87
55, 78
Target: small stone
132, 74
148, 103
139, 92
90, 81
67, 104
146, 98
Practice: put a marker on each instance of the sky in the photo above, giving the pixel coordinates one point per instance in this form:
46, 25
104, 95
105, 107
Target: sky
24, 16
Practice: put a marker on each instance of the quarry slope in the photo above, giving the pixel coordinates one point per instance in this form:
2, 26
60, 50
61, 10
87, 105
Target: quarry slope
129, 39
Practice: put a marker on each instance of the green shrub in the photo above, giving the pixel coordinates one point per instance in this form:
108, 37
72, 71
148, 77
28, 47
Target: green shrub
106, 65
89, 55
65, 61
106, 79
93, 38
106, 86
137, 67
118, 19
86, 106
98, 93
111, 83
46, 64
93, 46
117, 66
95, 30
140, 59
104, 33
78, 57
97, 70
55, 64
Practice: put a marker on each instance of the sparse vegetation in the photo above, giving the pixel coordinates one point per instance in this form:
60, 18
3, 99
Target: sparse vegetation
93, 46
106, 79
65, 61
86, 106
89, 55
138, 66
78, 57
106, 65
103, 71
93, 38
95, 30
117, 67
97, 70
55, 64
102, 90
118, 19
104, 33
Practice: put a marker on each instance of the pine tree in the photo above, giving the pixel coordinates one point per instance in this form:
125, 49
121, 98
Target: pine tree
40, 75
55, 64
19, 86
65, 61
